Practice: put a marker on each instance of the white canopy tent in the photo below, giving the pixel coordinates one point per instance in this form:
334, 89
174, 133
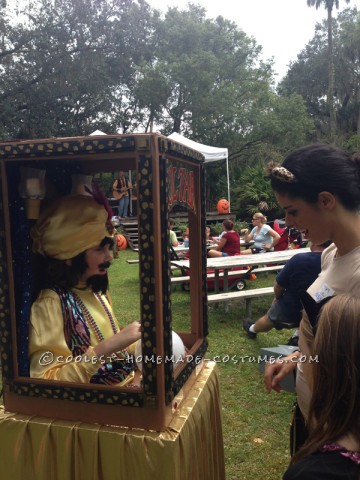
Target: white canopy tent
211, 154
98, 132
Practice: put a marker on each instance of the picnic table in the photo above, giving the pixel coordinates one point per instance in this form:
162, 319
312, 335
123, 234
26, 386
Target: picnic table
227, 263
223, 265
181, 247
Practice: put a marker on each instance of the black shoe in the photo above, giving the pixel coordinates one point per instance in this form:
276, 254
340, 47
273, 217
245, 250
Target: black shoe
293, 341
246, 325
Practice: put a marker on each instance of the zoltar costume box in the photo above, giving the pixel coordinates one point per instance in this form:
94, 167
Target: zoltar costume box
34, 173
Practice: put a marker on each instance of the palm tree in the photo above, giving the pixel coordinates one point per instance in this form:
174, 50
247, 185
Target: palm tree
329, 5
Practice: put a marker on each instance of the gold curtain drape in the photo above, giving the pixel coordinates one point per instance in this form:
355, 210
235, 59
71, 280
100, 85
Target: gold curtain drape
191, 448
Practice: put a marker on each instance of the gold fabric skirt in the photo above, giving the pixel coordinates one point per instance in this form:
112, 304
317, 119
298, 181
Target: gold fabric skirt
191, 448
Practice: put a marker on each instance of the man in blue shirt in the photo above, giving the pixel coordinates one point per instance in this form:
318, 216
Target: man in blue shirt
291, 283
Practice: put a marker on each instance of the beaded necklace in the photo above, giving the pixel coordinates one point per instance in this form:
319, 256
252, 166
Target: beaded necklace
90, 320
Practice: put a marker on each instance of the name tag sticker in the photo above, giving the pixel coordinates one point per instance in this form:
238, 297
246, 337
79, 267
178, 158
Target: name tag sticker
324, 292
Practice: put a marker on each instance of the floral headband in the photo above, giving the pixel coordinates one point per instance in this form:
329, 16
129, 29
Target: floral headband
280, 173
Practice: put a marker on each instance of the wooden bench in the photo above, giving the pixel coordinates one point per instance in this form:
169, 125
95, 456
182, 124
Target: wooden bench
231, 273
247, 295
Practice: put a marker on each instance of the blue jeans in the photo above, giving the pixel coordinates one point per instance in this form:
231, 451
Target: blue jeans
123, 206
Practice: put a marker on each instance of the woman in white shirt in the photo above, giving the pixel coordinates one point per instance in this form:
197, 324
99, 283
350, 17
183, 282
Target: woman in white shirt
265, 238
318, 186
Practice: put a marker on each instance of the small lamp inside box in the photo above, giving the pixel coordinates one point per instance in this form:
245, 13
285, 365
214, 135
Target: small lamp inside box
167, 175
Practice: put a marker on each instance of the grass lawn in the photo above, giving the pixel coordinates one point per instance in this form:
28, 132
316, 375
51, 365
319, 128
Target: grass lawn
255, 424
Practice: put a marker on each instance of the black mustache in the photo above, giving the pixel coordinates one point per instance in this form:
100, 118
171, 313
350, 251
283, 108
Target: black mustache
105, 265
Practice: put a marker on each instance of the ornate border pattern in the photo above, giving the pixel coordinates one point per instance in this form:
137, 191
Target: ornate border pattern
63, 147
147, 273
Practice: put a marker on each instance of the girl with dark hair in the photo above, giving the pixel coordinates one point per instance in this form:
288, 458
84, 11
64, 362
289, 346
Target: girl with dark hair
229, 243
318, 186
332, 371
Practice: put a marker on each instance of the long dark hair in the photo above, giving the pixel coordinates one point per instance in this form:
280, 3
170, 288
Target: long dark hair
50, 271
317, 168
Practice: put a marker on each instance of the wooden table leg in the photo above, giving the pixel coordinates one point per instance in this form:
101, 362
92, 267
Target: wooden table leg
217, 288
226, 288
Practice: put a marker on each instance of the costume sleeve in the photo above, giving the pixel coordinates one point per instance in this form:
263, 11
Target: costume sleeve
50, 357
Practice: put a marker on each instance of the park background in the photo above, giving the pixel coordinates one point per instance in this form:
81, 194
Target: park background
69, 67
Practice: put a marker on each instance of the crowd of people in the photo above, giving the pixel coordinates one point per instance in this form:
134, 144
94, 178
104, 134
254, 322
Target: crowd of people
318, 187
261, 239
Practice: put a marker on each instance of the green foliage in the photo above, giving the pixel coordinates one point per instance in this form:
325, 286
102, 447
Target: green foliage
216, 229
181, 227
253, 193
73, 60
105, 182
353, 144
308, 76
239, 225
120, 66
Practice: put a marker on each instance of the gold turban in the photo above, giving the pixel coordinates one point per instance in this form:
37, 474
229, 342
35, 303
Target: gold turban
69, 226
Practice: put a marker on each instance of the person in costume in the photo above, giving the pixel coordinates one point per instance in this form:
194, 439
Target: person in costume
74, 335
332, 449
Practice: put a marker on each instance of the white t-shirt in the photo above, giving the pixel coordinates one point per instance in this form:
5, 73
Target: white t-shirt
338, 275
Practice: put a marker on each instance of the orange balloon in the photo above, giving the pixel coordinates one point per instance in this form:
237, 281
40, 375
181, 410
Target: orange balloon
223, 206
121, 242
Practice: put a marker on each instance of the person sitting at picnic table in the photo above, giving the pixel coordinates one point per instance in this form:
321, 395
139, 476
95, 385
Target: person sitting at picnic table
290, 285
265, 238
173, 241
208, 236
229, 243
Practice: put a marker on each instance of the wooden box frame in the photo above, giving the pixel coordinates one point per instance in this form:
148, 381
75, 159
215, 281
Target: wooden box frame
167, 174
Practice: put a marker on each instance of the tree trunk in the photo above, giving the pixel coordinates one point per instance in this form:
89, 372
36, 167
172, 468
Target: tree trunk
331, 87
